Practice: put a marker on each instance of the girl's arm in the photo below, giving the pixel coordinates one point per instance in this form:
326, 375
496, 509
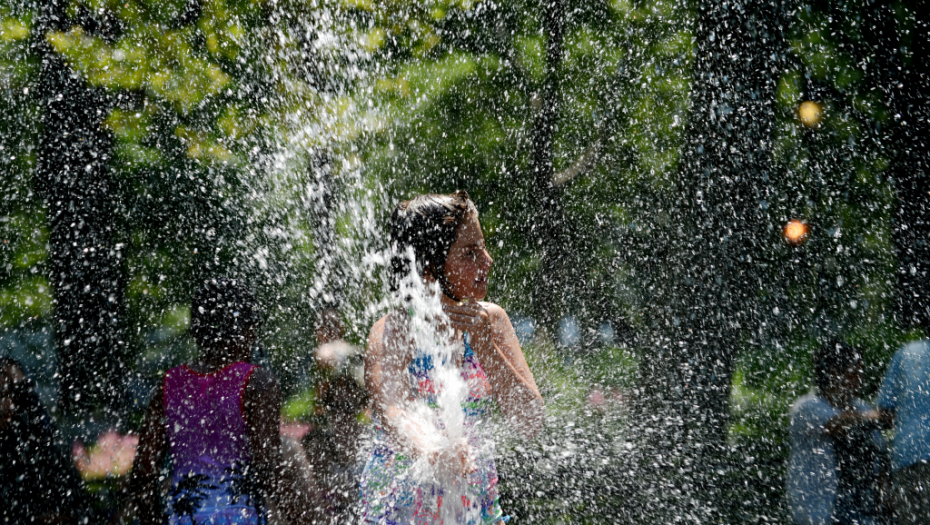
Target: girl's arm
386, 360
840, 424
144, 482
494, 341
262, 404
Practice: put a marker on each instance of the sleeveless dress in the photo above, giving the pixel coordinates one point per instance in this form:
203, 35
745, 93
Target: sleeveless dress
388, 494
209, 448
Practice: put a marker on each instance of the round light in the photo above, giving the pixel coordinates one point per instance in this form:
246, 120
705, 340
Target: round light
810, 113
796, 232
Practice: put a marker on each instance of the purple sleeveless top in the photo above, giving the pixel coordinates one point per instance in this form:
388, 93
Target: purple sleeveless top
205, 420
209, 444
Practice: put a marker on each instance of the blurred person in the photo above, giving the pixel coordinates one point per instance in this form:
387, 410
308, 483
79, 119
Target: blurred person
837, 467
436, 240
217, 419
38, 481
299, 470
333, 352
904, 403
332, 443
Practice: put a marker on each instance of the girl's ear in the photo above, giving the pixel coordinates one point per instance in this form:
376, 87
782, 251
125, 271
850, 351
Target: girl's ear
428, 274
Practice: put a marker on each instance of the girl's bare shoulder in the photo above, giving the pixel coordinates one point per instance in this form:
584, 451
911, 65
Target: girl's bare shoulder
496, 313
384, 331
377, 329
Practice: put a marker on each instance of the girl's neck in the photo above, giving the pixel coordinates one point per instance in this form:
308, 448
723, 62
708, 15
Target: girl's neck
448, 301
432, 287
213, 363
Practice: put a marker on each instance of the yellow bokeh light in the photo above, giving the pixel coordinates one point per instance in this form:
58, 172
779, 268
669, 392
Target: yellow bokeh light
796, 232
810, 113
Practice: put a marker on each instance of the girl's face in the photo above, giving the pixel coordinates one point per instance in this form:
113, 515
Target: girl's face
468, 262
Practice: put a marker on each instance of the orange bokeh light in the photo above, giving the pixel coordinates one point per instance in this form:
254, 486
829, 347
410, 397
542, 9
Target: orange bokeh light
796, 232
810, 113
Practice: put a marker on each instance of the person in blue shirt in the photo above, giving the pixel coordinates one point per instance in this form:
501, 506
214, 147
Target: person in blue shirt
836, 470
904, 401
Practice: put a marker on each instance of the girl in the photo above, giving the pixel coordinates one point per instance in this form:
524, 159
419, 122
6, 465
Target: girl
218, 421
438, 238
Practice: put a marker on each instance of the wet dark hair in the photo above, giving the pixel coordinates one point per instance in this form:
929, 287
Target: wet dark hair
834, 359
222, 311
428, 225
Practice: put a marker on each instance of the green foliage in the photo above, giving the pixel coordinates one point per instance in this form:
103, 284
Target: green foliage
835, 175
200, 96
300, 407
24, 289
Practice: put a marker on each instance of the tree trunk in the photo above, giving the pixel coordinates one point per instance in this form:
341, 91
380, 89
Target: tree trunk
548, 223
911, 170
714, 233
73, 176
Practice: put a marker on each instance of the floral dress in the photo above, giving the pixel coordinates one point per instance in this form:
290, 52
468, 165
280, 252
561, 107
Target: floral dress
390, 496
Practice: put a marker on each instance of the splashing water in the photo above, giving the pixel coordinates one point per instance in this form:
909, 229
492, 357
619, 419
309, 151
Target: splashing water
677, 151
442, 425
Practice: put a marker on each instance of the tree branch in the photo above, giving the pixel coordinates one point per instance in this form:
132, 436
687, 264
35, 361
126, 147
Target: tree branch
588, 158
